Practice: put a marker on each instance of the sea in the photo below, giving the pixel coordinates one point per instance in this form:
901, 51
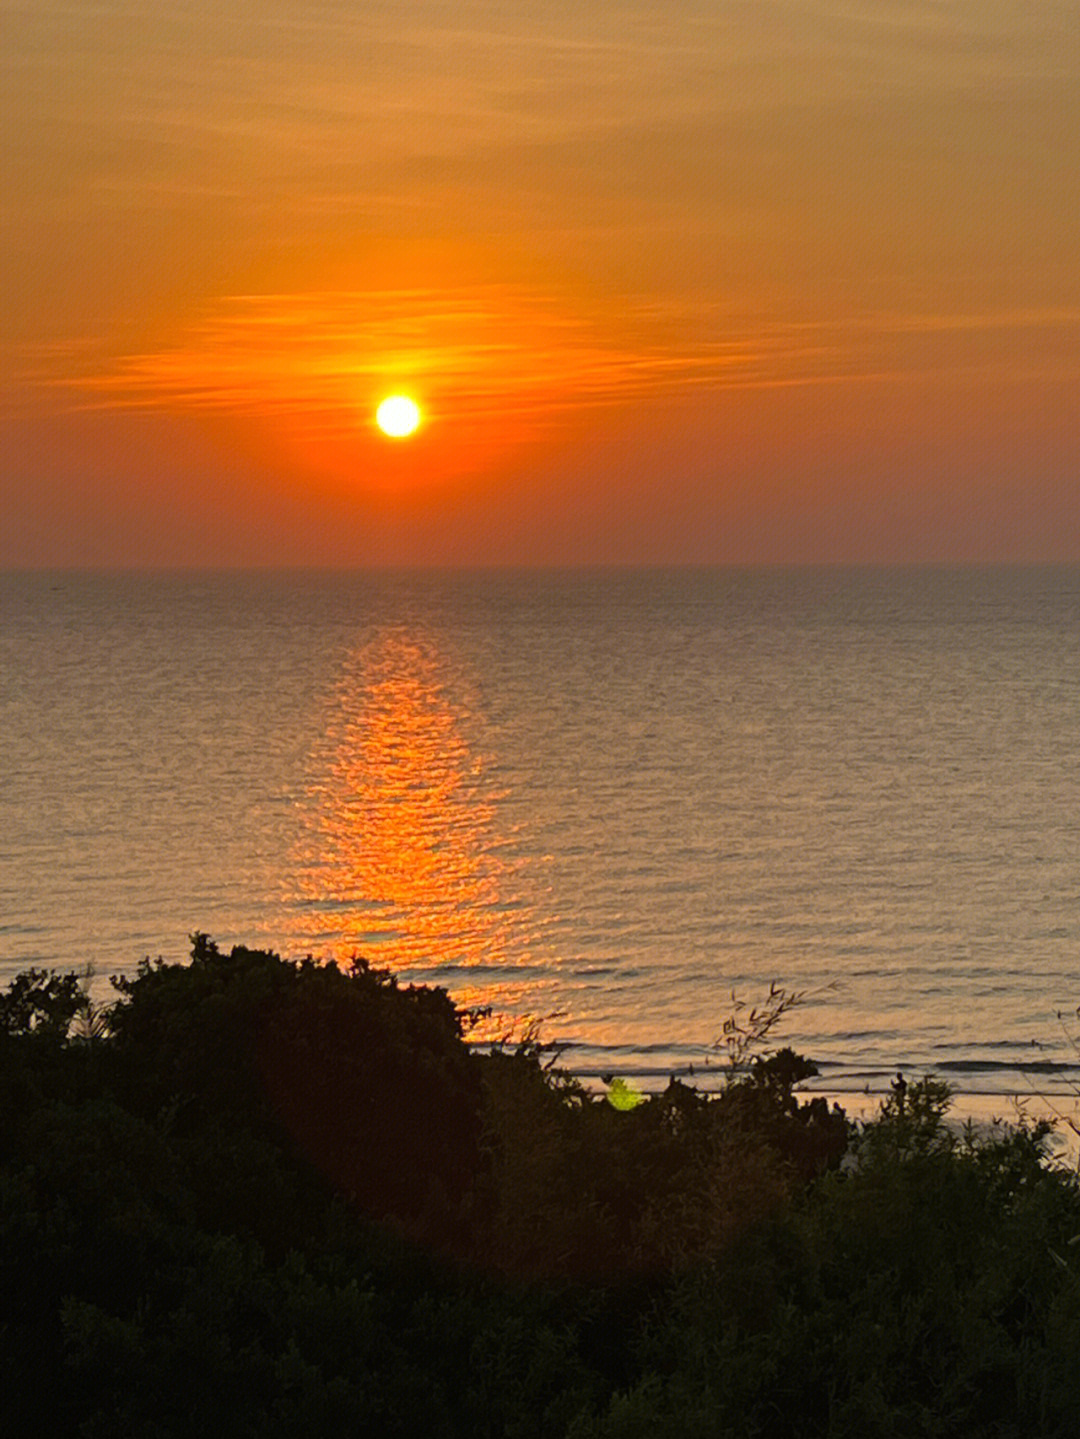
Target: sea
613, 809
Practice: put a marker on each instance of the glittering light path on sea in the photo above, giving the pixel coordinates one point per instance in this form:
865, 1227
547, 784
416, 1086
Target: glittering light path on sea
400, 858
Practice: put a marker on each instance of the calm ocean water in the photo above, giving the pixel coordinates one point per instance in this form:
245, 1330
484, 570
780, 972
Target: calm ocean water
605, 800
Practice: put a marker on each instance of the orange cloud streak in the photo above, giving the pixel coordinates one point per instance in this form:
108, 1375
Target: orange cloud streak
497, 366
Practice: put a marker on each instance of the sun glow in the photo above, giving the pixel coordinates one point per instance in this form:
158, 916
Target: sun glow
398, 416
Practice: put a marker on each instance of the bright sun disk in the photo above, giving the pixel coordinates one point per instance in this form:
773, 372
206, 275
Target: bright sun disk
397, 416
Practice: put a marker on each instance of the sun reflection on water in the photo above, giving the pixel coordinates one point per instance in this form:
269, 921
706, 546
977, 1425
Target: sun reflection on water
402, 859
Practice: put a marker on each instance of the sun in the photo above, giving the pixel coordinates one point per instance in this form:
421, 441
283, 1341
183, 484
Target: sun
398, 416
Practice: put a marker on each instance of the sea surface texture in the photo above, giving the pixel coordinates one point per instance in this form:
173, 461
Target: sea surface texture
603, 801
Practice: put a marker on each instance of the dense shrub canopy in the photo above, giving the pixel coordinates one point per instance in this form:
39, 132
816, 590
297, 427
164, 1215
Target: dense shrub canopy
263, 1197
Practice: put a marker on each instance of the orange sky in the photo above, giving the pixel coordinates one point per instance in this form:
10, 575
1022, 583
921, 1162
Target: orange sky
770, 280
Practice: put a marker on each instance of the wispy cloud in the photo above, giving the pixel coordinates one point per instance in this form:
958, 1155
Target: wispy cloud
482, 351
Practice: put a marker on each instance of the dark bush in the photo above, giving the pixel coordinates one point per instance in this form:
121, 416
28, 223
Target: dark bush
268, 1198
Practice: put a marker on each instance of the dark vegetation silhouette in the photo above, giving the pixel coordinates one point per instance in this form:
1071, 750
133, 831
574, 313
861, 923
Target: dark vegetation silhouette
259, 1197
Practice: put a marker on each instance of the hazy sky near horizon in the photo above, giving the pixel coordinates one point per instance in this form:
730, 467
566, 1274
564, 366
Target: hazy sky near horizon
715, 281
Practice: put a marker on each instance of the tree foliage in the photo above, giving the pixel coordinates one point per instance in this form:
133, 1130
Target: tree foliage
275, 1198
